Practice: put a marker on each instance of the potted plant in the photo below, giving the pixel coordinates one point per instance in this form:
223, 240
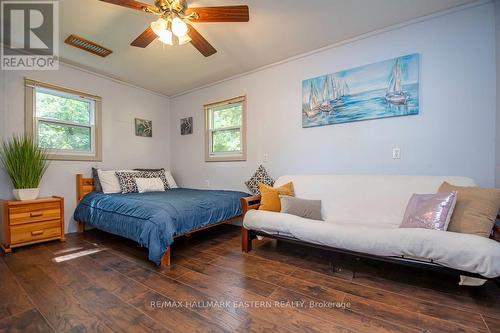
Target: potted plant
25, 164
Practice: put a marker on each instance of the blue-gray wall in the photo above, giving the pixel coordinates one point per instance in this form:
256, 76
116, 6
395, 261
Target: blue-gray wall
497, 49
453, 135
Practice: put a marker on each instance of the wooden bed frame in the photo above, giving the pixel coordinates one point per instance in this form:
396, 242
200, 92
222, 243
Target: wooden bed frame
86, 185
247, 236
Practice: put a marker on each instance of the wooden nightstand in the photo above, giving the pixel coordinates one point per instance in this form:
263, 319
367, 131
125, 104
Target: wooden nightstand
33, 221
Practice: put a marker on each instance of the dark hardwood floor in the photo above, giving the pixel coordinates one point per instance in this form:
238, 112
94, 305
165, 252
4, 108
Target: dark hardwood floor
213, 287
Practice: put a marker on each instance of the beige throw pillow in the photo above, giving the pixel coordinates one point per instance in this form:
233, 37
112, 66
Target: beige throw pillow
309, 209
475, 211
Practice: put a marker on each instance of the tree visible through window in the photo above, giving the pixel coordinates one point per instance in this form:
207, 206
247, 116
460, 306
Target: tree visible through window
225, 130
64, 122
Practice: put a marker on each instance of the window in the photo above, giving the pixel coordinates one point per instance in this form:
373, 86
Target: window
226, 130
64, 122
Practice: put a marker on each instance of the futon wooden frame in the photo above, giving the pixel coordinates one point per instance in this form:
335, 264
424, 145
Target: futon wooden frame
86, 185
247, 236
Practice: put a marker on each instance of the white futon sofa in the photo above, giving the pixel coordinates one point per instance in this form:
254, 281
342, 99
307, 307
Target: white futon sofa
362, 214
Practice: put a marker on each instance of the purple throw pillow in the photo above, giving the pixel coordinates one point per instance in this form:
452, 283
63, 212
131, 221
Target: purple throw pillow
429, 211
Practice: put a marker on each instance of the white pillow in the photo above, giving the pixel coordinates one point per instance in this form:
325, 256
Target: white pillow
109, 180
149, 185
170, 180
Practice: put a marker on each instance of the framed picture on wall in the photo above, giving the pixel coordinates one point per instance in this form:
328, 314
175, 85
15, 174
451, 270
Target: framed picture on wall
187, 126
143, 128
380, 90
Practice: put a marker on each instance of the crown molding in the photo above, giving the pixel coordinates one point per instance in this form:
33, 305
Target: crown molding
69, 64
88, 70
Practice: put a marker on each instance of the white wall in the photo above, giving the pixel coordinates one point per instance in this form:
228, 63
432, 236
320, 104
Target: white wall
497, 49
454, 134
121, 148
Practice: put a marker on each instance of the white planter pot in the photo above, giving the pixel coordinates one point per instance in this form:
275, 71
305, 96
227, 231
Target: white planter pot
24, 194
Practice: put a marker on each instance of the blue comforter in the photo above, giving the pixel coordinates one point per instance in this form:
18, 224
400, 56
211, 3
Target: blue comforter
154, 219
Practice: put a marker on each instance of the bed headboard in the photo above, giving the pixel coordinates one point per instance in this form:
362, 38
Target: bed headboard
83, 186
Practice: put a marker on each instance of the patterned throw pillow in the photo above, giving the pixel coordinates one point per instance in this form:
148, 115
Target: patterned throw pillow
127, 181
158, 174
260, 176
169, 180
129, 185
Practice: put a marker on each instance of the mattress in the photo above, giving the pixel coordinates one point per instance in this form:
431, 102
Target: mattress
154, 219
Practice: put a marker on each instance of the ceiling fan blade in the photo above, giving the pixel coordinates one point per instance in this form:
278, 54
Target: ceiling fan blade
200, 43
220, 14
128, 3
144, 39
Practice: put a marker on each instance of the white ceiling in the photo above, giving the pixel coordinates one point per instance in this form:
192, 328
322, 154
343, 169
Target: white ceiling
277, 30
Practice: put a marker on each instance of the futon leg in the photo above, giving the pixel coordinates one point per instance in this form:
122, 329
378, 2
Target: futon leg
165, 261
246, 240
81, 226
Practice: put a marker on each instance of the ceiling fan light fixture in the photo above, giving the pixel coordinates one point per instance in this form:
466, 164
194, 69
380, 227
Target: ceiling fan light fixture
179, 27
180, 31
166, 38
184, 40
159, 26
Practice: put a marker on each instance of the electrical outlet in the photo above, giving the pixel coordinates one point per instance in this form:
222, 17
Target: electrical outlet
266, 157
396, 153
207, 183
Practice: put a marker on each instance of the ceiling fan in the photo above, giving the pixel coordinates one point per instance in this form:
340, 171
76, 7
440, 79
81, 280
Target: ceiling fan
172, 26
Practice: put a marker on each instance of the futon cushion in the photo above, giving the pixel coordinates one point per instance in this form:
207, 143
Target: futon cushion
459, 251
270, 196
309, 209
259, 177
429, 211
365, 199
475, 211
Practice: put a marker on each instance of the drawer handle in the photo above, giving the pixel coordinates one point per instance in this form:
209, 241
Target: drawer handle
37, 233
37, 214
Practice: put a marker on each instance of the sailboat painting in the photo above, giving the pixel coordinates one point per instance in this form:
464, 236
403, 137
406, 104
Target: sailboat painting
379, 90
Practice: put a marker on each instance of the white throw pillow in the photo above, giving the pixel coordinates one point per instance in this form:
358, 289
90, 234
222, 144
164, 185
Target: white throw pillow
149, 185
109, 180
170, 180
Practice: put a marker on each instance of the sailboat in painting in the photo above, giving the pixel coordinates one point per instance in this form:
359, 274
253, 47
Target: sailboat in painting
327, 95
314, 107
395, 95
340, 90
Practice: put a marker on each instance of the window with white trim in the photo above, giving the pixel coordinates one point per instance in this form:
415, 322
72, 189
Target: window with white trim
64, 122
225, 134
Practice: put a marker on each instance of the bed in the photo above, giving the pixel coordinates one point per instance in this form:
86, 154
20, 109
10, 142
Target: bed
155, 219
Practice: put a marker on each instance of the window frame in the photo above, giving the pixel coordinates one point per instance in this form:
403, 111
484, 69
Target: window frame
32, 121
241, 155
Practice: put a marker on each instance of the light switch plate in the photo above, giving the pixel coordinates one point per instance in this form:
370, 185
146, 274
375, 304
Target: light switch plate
396, 153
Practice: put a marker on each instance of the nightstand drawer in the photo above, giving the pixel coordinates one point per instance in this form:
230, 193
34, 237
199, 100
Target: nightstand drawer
35, 212
35, 231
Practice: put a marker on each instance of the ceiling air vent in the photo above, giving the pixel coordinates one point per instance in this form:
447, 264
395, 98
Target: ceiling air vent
88, 46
